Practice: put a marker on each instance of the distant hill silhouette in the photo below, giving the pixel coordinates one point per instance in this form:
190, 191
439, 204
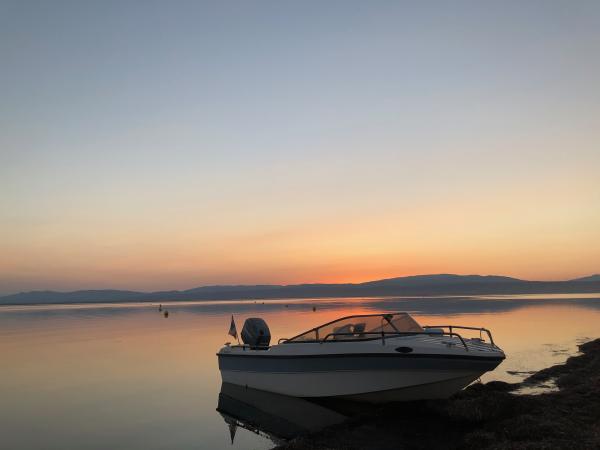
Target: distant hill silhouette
420, 285
595, 277
88, 296
441, 279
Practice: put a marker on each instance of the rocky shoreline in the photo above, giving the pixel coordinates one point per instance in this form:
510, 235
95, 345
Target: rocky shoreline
484, 416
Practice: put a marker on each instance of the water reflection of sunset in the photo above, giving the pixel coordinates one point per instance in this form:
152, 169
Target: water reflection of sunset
124, 362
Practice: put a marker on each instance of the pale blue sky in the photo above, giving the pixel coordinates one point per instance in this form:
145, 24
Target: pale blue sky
215, 124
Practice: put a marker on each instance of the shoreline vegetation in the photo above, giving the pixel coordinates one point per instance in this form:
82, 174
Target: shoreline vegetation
420, 285
484, 416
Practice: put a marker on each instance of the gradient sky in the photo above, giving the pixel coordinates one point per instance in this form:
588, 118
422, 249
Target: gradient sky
163, 145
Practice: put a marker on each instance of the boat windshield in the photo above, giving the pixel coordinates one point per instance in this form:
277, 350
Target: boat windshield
361, 327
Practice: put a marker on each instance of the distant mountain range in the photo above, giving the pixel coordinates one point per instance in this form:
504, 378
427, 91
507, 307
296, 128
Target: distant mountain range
420, 285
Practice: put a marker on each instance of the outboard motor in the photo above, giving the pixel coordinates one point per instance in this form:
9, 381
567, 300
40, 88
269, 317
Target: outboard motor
256, 333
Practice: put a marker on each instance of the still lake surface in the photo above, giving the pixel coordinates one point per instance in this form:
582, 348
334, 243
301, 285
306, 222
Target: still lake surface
124, 376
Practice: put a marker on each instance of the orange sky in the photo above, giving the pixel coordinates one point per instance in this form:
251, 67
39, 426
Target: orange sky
254, 144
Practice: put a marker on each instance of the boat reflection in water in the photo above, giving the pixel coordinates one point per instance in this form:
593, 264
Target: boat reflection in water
275, 416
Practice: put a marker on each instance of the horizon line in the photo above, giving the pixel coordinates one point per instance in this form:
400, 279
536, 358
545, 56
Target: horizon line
297, 284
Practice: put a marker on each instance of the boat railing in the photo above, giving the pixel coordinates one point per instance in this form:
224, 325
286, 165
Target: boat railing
452, 327
377, 335
250, 347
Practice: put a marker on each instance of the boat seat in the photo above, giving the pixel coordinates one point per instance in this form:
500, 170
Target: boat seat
433, 331
359, 330
343, 329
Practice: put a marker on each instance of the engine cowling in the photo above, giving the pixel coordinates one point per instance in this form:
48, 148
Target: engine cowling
256, 333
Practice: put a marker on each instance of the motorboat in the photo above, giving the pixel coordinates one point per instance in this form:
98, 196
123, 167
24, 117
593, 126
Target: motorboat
374, 358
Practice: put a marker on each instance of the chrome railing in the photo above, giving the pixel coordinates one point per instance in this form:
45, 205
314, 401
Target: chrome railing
395, 334
451, 327
362, 336
248, 346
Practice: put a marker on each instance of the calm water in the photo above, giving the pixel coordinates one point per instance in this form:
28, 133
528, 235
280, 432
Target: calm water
123, 376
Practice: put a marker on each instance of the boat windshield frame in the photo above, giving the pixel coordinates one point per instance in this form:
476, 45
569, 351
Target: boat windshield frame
352, 336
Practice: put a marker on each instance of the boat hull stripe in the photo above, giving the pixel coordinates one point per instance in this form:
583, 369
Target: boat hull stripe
353, 362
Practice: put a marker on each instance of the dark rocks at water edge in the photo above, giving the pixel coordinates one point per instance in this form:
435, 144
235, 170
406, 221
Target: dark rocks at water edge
487, 416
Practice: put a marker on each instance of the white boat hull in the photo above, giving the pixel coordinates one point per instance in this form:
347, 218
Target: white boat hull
375, 386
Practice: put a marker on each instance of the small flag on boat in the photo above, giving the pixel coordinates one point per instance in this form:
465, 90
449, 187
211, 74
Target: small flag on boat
232, 328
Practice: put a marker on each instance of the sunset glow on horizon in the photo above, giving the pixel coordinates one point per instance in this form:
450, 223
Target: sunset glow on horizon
156, 147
